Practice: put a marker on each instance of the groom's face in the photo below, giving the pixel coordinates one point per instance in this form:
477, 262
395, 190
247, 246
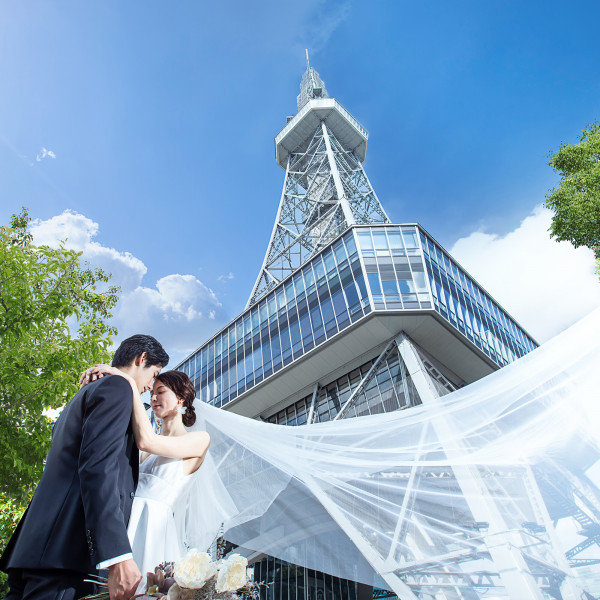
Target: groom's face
144, 375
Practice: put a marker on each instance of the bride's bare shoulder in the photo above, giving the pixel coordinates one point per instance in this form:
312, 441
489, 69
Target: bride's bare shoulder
200, 437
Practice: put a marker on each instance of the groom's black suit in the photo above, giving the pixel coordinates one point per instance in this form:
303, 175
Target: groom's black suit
79, 513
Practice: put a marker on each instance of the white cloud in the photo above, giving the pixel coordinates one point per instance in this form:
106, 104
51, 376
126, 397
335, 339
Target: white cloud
545, 285
77, 231
179, 310
224, 278
43, 153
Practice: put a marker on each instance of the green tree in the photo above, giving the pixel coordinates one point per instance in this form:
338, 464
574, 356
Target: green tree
53, 325
576, 201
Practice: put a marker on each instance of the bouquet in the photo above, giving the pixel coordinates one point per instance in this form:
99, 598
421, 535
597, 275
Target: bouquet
196, 577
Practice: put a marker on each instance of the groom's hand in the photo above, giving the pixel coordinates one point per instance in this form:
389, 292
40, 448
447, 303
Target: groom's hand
123, 579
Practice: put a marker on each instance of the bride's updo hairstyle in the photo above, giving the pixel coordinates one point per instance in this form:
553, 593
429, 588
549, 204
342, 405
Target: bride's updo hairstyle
180, 384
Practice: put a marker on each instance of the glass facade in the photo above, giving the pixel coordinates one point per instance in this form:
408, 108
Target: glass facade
369, 268
291, 582
406, 269
322, 298
474, 313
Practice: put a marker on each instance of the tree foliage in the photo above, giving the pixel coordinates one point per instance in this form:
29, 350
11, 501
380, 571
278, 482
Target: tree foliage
53, 325
576, 201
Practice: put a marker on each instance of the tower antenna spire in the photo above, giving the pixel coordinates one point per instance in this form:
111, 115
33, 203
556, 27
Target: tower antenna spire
307, 61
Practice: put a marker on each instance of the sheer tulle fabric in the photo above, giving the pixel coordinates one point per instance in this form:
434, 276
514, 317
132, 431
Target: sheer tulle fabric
352, 497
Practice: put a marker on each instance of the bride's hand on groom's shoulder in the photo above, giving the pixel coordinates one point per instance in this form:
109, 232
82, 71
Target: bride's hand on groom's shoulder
97, 372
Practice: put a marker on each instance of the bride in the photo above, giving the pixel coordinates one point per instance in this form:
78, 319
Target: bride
159, 528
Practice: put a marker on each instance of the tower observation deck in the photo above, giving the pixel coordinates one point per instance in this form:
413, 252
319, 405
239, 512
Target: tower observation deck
352, 315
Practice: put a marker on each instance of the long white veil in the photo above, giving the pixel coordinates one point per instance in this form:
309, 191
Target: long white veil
472, 473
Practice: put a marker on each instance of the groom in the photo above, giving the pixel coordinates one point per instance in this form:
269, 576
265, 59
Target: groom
77, 520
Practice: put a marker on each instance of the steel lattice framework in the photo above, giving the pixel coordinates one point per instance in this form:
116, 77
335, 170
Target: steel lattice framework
325, 191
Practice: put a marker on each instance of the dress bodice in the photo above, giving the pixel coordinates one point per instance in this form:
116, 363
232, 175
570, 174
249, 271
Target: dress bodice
163, 480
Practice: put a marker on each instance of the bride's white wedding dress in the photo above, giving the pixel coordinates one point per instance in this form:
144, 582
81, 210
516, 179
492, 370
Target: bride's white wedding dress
157, 526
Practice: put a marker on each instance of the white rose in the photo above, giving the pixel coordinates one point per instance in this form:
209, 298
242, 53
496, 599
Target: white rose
194, 569
232, 574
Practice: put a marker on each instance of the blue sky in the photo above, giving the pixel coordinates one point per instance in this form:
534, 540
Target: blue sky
158, 119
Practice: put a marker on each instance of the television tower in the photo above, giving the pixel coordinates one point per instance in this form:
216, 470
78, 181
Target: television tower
326, 190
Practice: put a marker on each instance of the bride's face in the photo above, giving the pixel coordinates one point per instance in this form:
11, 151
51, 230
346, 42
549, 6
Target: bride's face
163, 401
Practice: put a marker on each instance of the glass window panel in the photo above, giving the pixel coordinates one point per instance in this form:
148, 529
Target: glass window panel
340, 252
334, 282
276, 349
410, 239
374, 283
364, 240
329, 261
395, 240
280, 298
289, 292
402, 268
265, 348
283, 321
380, 240
352, 295
317, 321
323, 291
225, 341
309, 276
305, 329
328, 317
346, 275
390, 288
339, 304
263, 312
420, 283
301, 420
360, 282
319, 268
350, 245
232, 375
241, 371
299, 283
285, 342
295, 334
386, 269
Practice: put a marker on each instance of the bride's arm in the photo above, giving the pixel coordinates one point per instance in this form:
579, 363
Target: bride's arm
192, 445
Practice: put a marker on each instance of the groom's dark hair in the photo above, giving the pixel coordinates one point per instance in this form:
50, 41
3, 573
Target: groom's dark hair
135, 345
